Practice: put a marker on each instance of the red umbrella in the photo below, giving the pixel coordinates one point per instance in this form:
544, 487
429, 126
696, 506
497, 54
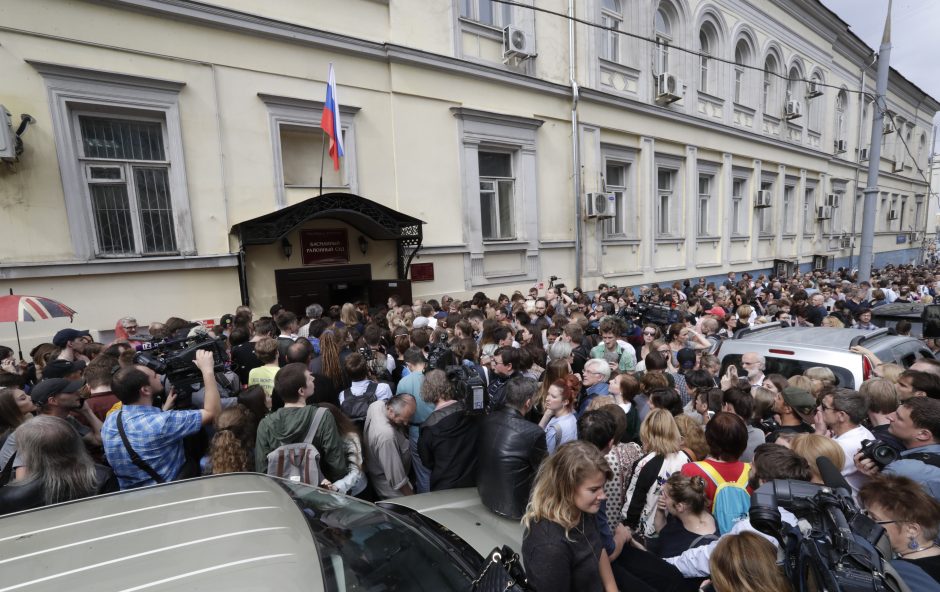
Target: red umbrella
17, 308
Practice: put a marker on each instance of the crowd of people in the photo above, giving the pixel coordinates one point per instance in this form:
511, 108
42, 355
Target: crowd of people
614, 437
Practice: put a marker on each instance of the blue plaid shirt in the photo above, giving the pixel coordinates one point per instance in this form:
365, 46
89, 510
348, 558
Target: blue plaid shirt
157, 436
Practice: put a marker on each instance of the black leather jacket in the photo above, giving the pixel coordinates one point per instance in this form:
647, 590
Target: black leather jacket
510, 451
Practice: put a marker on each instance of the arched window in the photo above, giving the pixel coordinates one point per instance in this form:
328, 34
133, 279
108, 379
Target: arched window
841, 99
707, 68
663, 27
921, 150
795, 85
769, 96
612, 18
742, 59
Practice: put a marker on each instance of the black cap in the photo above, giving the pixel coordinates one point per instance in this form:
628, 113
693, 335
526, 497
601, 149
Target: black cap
61, 368
51, 387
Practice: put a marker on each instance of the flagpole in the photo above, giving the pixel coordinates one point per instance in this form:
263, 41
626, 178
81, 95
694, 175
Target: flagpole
322, 156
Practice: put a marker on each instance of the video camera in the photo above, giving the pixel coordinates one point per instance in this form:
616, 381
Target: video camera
175, 359
644, 312
836, 547
469, 387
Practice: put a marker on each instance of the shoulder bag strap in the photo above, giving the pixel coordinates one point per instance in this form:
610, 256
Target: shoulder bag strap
373, 386
314, 425
745, 476
712, 473
644, 481
135, 458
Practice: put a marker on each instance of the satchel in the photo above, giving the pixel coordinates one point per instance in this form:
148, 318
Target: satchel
502, 572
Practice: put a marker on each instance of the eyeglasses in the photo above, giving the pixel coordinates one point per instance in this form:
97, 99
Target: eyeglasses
650, 333
824, 408
867, 513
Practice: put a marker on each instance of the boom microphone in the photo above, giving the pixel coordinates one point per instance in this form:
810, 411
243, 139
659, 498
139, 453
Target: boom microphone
832, 476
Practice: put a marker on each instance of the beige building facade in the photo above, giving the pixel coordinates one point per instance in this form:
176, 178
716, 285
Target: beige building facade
175, 161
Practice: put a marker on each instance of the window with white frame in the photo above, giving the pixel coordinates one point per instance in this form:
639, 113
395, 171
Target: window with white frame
918, 212
487, 12
765, 216
742, 59
834, 223
663, 29
769, 96
612, 19
615, 182
738, 206
840, 115
705, 210
666, 218
707, 68
859, 205
789, 209
921, 150
816, 105
885, 216
126, 169
121, 159
903, 225
809, 211
497, 194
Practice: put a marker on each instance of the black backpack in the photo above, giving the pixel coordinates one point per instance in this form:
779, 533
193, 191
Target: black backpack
356, 406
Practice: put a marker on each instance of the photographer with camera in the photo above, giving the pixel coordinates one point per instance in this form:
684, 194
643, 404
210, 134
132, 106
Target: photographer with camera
916, 424
143, 445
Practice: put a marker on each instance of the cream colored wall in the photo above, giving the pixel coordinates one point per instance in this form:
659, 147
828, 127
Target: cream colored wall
261, 261
149, 297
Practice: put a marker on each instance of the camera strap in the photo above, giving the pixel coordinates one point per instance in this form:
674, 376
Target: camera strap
135, 458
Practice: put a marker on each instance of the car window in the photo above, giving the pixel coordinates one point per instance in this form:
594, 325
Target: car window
791, 367
364, 548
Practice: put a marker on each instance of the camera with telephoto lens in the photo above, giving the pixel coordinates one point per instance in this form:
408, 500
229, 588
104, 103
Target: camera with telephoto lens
882, 454
175, 359
367, 354
835, 546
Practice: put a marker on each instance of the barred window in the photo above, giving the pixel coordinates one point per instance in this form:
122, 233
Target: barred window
127, 174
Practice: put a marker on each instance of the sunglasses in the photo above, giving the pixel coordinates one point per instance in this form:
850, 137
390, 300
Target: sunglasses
653, 333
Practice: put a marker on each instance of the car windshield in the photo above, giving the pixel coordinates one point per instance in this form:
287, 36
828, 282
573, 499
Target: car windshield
790, 367
364, 548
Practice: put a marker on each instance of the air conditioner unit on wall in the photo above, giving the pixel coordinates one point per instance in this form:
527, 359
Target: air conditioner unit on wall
794, 109
888, 127
823, 212
897, 166
600, 205
668, 88
892, 214
517, 43
813, 90
841, 146
845, 242
863, 155
763, 199
7, 136
832, 200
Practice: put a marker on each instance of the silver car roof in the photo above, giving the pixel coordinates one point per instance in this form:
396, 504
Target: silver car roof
817, 337
230, 532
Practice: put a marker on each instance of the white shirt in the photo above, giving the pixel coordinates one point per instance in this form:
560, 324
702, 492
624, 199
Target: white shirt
382, 392
850, 442
694, 562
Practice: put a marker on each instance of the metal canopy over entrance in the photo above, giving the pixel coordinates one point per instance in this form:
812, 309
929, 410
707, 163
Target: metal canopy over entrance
374, 220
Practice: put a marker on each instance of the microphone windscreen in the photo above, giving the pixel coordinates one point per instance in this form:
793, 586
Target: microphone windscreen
832, 475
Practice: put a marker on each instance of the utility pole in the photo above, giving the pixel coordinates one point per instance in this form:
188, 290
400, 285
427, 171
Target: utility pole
879, 108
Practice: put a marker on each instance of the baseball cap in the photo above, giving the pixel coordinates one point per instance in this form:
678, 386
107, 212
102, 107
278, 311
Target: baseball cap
686, 357
65, 335
51, 387
716, 311
62, 368
799, 400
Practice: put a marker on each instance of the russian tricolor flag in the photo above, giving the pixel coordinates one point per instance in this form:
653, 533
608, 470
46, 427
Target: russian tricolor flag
330, 123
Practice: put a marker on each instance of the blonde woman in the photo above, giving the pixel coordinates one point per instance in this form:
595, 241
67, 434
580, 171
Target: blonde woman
662, 443
746, 562
561, 545
813, 446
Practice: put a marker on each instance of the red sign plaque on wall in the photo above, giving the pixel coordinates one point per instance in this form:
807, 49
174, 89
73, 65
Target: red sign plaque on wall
329, 245
422, 272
